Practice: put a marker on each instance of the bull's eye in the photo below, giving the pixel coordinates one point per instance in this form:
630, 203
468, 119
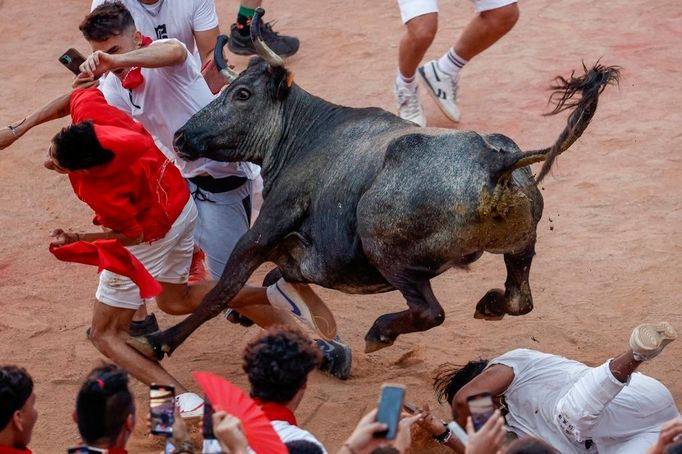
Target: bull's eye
242, 94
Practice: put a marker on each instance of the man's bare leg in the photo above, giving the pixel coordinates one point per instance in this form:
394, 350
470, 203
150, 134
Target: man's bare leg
486, 29
252, 302
108, 335
419, 34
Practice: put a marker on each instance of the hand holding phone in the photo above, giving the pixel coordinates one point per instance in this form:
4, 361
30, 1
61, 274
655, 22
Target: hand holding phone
72, 59
390, 405
161, 409
481, 408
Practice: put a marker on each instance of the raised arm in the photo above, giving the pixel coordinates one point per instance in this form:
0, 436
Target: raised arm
157, 55
56, 108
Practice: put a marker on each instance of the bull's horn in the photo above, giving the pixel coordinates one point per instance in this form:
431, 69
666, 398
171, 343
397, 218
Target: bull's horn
219, 59
263, 50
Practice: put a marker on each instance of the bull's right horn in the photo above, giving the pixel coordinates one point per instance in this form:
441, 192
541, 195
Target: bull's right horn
219, 59
263, 50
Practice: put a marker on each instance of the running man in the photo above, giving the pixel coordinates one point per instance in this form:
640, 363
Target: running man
494, 19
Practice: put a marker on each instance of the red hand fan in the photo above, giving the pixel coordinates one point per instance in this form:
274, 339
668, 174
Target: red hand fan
225, 396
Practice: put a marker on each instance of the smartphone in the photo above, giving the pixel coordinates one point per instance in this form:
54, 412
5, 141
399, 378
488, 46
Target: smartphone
411, 408
85, 450
481, 408
207, 422
161, 409
72, 59
390, 405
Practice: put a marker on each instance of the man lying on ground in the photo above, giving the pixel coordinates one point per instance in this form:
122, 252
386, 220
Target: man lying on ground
575, 408
18, 414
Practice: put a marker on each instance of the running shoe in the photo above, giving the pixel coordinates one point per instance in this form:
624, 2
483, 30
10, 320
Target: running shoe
235, 317
337, 357
302, 301
409, 107
140, 328
442, 88
649, 339
282, 45
189, 405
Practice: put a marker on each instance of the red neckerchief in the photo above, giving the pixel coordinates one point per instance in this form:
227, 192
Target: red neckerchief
134, 78
277, 412
10, 450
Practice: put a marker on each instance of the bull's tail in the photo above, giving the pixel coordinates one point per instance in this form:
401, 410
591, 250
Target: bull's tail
590, 86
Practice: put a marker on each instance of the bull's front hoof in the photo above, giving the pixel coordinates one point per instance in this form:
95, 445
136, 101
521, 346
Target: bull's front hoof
149, 346
491, 306
372, 345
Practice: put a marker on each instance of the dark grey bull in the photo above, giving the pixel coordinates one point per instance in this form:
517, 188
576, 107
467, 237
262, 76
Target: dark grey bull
361, 201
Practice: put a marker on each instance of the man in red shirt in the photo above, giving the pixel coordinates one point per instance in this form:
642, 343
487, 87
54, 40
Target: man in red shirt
18, 414
143, 203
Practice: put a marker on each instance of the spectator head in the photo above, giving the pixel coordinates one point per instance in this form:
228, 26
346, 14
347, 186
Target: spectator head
451, 378
530, 446
278, 362
105, 409
75, 148
17, 407
385, 450
110, 28
108, 20
303, 447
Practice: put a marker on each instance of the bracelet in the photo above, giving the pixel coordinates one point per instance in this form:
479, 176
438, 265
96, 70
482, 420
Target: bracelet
348, 447
13, 129
444, 437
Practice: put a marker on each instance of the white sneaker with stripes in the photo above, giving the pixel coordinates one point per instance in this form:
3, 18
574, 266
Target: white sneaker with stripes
649, 339
442, 88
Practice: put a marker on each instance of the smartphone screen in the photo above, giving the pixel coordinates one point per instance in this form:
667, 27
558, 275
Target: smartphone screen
72, 59
481, 408
390, 404
161, 409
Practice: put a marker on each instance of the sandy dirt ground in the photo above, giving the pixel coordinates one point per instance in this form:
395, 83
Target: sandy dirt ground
609, 252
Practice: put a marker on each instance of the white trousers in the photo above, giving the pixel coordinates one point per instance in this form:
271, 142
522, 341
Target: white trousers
619, 418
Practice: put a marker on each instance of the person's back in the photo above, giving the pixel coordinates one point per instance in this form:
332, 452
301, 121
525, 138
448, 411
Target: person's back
17, 410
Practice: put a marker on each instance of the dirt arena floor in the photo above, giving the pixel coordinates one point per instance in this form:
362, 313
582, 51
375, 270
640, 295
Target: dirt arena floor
609, 251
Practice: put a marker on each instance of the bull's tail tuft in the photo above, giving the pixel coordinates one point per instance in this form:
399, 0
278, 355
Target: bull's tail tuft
590, 85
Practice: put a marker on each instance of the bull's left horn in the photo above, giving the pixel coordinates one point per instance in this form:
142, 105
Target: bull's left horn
219, 59
263, 50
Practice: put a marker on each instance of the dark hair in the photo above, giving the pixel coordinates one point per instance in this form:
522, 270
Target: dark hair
530, 446
103, 404
385, 450
303, 447
278, 362
76, 147
450, 378
675, 448
16, 386
111, 18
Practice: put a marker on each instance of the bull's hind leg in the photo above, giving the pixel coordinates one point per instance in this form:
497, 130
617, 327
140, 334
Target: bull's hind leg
516, 299
424, 312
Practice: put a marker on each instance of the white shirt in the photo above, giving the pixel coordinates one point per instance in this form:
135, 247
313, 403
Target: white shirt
177, 19
288, 432
165, 101
540, 380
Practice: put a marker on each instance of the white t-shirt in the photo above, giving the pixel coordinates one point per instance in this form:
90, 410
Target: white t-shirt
540, 380
177, 19
288, 432
165, 101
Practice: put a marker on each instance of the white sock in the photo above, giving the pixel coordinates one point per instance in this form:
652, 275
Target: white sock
407, 82
451, 63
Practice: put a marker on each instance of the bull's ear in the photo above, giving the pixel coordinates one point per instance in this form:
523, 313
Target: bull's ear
283, 81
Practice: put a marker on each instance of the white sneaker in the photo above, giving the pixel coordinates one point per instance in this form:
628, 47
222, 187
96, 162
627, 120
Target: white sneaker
189, 405
649, 339
442, 88
409, 107
302, 301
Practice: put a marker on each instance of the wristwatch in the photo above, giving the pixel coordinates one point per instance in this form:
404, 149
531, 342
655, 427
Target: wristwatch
444, 437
